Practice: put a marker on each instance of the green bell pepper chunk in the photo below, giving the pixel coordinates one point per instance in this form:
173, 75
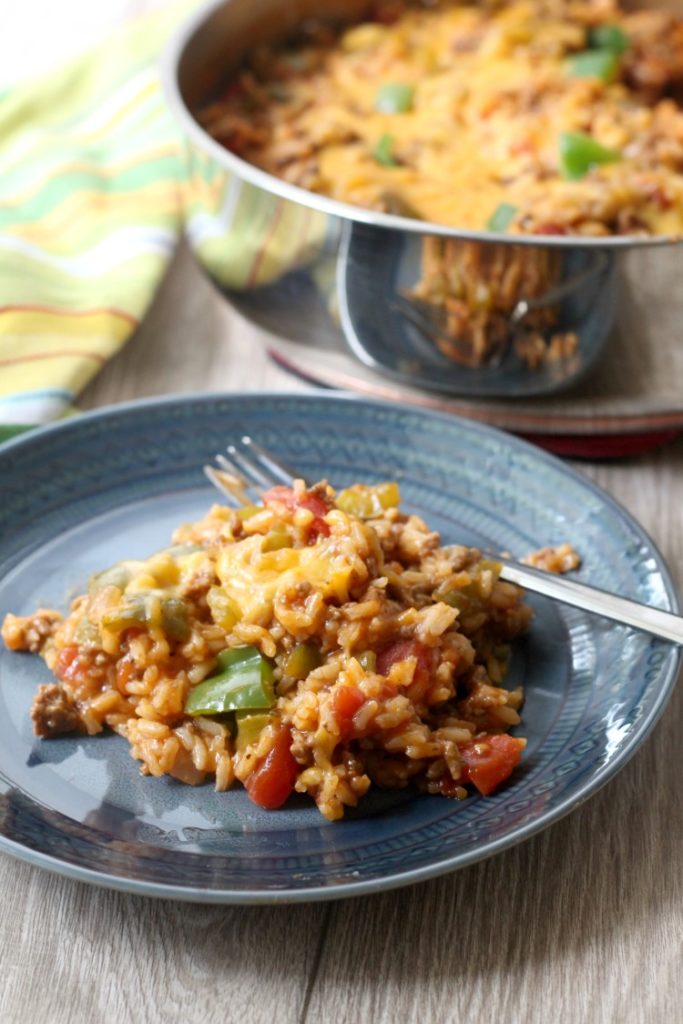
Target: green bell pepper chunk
118, 575
367, 502
277, 539
602, 64
244, 682
456, 599
250, 725
175, 618
394, 98
302, 661
135, 612
368, 661
580, 152
502, 217
388, 494
87, 634
132, 613
248, 511
383, 151
224, 611
609, 37
180, 550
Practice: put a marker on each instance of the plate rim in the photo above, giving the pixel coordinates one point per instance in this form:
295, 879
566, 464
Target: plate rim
343, 890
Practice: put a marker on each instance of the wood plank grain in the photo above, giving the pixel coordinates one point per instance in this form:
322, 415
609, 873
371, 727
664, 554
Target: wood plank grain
72, 953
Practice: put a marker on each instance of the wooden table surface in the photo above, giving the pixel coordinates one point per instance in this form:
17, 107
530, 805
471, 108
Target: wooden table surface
583, 923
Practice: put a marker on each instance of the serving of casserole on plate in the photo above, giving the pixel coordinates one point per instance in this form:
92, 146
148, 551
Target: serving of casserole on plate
116, 484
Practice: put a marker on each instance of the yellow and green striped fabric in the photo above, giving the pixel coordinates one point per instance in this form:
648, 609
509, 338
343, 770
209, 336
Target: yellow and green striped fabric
91, 207
90, 173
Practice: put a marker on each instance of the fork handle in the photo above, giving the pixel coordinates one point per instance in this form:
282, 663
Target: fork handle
591, 599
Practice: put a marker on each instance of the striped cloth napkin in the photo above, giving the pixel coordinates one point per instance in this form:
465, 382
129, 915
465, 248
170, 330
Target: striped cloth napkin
90, 173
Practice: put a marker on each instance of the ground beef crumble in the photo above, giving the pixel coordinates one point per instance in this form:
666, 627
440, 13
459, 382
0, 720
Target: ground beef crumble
52, 712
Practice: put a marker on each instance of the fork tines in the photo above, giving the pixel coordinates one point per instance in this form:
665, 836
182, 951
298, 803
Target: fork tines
246, 470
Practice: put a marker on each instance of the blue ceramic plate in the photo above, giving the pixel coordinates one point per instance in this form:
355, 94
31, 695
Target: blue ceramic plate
113, 484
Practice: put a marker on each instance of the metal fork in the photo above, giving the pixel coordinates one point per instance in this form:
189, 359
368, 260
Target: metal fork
247, 469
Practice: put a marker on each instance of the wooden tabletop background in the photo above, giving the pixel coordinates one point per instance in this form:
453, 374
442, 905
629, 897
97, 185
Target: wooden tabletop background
581, 924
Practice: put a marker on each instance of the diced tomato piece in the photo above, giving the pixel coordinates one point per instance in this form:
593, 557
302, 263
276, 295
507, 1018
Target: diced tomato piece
283, 495
273, 780
401, 650
550, 229
291, 500
448, 787
235, 90
315, 504
490, 760
663, 200
521, 148
386, 15
386, 691
318, 528
70, 664
346, 700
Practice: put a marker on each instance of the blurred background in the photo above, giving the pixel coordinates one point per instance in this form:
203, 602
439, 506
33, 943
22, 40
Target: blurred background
38, 34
